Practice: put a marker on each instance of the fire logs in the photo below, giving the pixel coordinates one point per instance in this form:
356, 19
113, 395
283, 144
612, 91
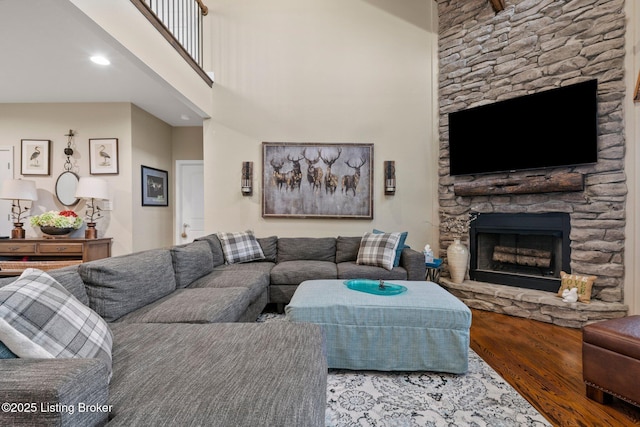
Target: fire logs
522, 256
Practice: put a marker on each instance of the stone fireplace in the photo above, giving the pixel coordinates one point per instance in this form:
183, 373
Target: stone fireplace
521, 250
530, 47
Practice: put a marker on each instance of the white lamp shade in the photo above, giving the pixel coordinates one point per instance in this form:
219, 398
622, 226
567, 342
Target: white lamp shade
18, 189
92, 188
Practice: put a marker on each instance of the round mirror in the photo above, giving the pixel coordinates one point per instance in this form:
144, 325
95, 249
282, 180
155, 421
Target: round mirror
66, 188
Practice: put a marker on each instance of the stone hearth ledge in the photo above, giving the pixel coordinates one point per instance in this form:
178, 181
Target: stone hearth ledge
532, 304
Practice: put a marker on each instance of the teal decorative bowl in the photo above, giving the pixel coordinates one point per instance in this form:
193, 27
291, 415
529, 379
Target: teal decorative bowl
376, 287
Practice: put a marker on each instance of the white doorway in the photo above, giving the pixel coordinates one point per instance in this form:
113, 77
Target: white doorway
6, 172
189, 200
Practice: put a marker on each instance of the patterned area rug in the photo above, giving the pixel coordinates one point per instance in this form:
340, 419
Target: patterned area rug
415, 399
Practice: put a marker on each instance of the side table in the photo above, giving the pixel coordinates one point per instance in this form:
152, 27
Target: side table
433, 270
49, 253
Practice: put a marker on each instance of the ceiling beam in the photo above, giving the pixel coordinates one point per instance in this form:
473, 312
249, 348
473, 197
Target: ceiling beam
498, 5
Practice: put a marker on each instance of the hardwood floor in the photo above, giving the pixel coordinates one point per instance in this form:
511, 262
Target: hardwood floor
543, 362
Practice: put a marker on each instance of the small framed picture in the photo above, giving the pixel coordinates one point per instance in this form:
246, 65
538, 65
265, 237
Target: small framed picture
155, 187
103, 156
35, 157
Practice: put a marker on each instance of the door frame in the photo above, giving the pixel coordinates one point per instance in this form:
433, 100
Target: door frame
178, 214
11, 169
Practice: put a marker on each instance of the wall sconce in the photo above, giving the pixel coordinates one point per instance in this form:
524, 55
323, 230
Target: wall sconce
92, 189
389, 177
246, 183
17, 190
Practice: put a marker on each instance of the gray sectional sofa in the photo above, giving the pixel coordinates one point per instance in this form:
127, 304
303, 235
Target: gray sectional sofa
186, 347
288, 261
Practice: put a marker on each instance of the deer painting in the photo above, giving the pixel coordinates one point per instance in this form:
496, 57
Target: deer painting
330, 180
350, 182
280, 178
295, 177
314, 174
317, 180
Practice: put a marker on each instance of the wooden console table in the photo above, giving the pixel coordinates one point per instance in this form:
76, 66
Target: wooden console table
48, 251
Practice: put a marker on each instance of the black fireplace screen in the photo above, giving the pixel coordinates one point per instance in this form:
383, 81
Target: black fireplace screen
522, 250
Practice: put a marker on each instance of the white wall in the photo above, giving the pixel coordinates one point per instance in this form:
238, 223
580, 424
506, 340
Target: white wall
330, 71
632, 166
152, 225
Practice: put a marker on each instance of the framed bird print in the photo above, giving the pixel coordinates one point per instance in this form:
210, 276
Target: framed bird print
35, 157
103, 156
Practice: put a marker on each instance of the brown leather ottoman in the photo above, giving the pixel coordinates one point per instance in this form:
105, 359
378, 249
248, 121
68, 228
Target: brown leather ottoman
611, 359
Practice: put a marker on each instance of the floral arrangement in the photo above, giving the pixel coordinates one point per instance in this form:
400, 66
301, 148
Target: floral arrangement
62, 219
458, 226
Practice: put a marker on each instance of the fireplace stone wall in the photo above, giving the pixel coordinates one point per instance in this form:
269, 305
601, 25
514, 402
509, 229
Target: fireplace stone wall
531, 46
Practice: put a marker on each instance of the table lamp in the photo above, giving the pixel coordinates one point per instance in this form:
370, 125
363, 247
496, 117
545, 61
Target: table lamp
17, 190
92, 189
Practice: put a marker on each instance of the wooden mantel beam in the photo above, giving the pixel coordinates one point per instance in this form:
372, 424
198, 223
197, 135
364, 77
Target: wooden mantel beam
498, 5
561, 182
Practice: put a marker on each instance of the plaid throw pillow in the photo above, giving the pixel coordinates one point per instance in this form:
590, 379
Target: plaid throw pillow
240, 247
378, 249
401, 246
40, 319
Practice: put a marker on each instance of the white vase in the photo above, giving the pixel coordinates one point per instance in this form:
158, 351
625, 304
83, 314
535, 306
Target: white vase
458, 259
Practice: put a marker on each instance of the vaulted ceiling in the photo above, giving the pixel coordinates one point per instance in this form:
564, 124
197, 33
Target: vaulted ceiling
45, 48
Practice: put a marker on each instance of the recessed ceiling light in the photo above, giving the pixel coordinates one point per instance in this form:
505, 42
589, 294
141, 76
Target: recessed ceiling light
101, 60
185, 117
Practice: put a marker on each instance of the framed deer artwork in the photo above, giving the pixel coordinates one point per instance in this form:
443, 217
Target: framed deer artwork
317, 180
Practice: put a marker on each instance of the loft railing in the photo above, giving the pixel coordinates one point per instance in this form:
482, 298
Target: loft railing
180, 22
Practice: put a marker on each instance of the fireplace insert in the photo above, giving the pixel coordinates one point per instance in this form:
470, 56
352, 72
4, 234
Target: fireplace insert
522, 250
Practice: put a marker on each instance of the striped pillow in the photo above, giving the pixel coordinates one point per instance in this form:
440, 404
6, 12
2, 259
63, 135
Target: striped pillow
40, 319
240, 247
378, 249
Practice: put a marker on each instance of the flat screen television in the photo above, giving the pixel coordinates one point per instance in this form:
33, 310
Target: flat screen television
552, 128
